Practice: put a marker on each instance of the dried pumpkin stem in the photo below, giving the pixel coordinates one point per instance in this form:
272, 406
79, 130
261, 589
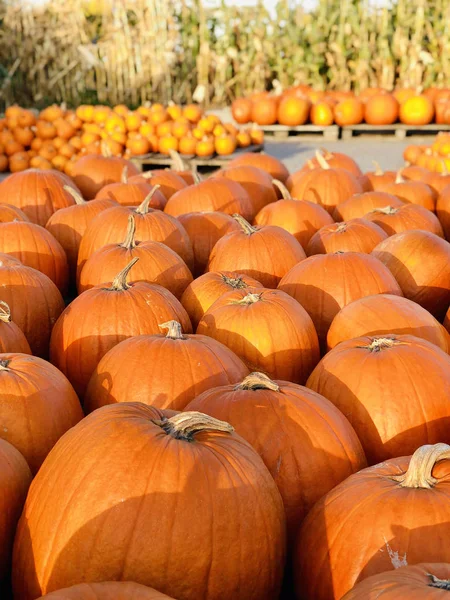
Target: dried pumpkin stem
124, 177
184, 426
257, 381
178, 162
174, 331
130, 242
147, 174
378, 169
285, 193
378, 344
142, 209
321, 160
75, 195
196, 176
326, 153
120, 281
105, 149
421, 466
399, 178
385, 210
237, 283
310, 164
5, 312
341, 227
441, 584
4, 365
245, 225
248, 299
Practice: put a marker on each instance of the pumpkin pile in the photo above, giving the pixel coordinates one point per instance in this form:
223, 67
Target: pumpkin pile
56, 137
232, 387
433, 157
301, 104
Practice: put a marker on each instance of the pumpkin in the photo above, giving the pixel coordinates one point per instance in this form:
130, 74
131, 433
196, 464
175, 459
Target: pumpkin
415, 192
36, 193
415, 173
265, 253
256, 182
11, 213
336, 160
270, 164
243, 139
201, 294
157, 264
403, 218
325, 283
12, 338
443, 210
93, 323
68, 225
397, 501
107, 590
34, 301
417, 110
312, 428
92, 172
225, 144
411, 153
322, 114
299, 217
35, 247
240, 508
356, 235
381, 109
127, 193
264, 111
216, 194
439, 181
178, 367
380, 179
37, 406
349, 112
267, 329
205, 229
359, 205
19, 162
15, 478
169, 182
293, 110
151, 224
384, 314
241, 110
425, 581
420, 262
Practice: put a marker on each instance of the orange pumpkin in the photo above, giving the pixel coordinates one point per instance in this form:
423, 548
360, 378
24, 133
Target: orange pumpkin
225, 144
270, 164
107, 590
356, 235
256, 182
293, 111
193, 113
381, 109
415, 192
404, 218
92, 172
322, 114
443, 210
241, 109
264, 111
349, 112
417, 110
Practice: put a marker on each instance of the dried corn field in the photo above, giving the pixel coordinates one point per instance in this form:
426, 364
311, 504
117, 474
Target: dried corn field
132, 51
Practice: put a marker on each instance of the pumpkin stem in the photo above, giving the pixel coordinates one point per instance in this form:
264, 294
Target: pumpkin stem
147, 174
245, 225
378, 344
421, 466
235, 282
341, 227
399, 178
174, 331
441, 584
124, 177
5, 312
386, 210
142, 209
4, 365
75, 195
326, 153
105, 149
130, 242
310, 164
321, 160
119, 283
257, 381
178, 162
444, 171
185, 425
196, 176
248, 299
285, 193
378, 169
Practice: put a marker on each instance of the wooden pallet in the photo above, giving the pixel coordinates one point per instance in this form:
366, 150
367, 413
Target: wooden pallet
194, 162
399, 130
330, 133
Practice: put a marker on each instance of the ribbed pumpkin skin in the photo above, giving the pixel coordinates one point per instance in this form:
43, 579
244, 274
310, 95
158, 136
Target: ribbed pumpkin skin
406, 583
156, 226
131, 194
399, 404
331, 556
415, 192
256, 182
169, 181
37, 406
270, 164
92, 172
204, 230
339, 160
100, 318
212, 501
386, 314
297, 433
12, 338
358, 205
274, 334
443, 210
38, 193
267, 254
68, 226
300, 218
329, 188
356, 235
201, 294
35, 247
162, 372
218, 194
405, 218
325, 283
10, 213
420, 262
34, 300
107, 590
380, 180
15, 478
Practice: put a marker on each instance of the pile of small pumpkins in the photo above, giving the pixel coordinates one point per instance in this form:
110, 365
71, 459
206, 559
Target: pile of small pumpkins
433, 157
301, 104
56, 137
232, 387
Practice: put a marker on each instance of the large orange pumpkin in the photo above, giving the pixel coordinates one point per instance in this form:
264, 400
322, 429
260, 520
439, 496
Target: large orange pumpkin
311, 427
415, 192
168, 181
12, 338
397, 501
417, 110
214, 492
336, 160
127, 193
359, 205
325, 283
293, 110
386, 314
11, 213
178, 367
92, 172
322, 114
381, 109
241, 109
37, 406
264, 111
356, 235
201, 294
443, 210
349, 111
403, 218
94, 323
380, 179
270, 331
107, 590
256, 182
420, 262
270, 164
